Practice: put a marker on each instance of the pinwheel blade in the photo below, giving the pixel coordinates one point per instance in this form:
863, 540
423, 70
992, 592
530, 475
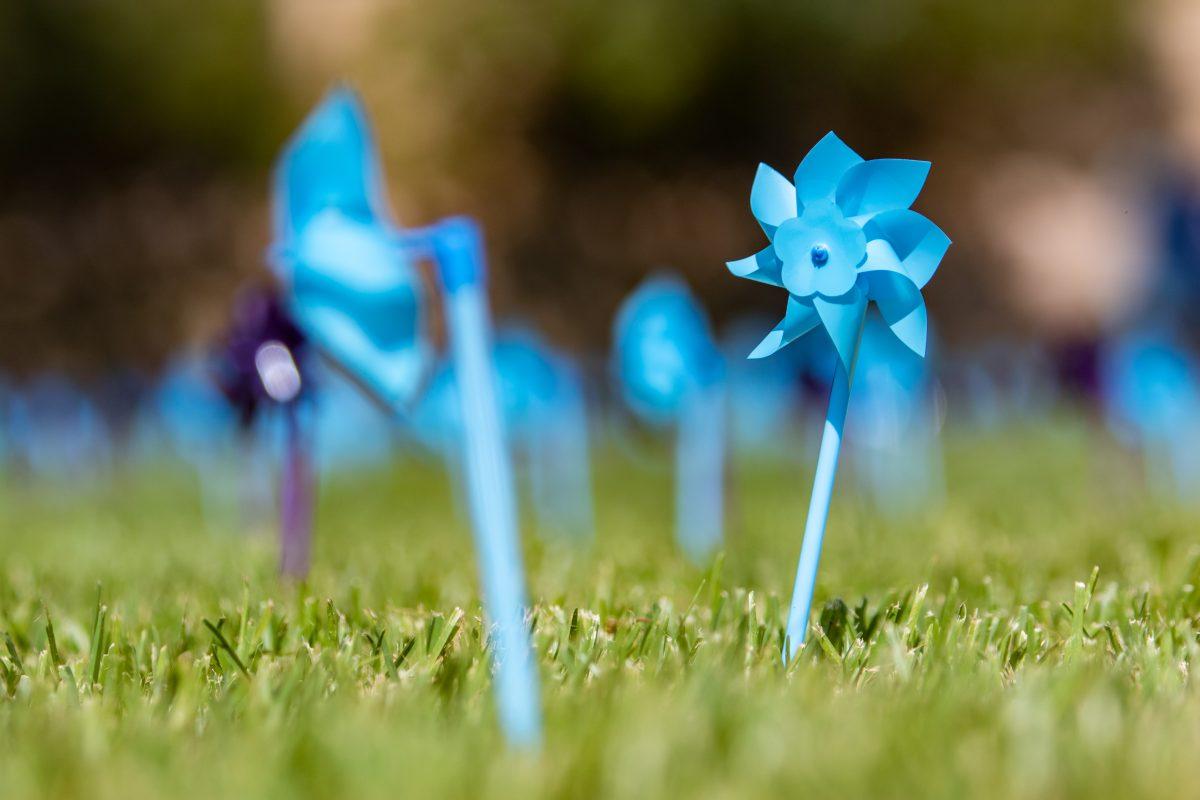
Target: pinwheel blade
843, 319
331, 162
764, 267
897, 296
881, 184
904, 312
919, 244
799, 320
390, 376
772, 199
818, 174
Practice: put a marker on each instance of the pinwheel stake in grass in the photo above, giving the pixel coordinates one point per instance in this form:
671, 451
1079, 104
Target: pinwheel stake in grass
458, 248
262, 366
671, 371
843, 236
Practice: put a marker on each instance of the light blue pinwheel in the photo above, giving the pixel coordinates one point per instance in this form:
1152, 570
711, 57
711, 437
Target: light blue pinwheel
57, 430
545, 415
671, 372
354, 290
841, 237
1151, 386
351, 282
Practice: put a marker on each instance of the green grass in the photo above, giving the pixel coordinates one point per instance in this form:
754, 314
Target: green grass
1031, 637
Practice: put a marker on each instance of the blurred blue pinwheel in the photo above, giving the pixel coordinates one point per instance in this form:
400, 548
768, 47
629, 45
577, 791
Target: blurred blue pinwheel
841, 237
351, 284
663, 349
355, 292
671, 372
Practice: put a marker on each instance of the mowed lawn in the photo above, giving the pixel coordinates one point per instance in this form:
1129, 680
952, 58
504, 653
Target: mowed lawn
1029, 636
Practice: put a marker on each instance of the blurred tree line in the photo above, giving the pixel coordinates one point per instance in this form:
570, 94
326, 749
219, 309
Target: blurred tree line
597, 141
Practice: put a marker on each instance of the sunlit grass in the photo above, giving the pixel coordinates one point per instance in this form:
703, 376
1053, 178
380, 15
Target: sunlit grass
1029, 637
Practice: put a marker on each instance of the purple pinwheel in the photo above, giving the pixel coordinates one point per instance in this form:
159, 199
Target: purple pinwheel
842, 237
263, 363
248, 378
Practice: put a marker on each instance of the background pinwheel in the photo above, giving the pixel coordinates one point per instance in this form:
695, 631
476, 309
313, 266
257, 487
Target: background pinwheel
351, 285
671, 372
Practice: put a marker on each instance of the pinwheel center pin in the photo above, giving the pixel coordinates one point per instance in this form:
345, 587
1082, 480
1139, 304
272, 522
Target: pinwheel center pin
820, 255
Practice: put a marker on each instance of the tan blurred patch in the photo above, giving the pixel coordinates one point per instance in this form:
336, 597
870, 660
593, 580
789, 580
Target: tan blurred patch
319, 37
1172, 30
1077, 243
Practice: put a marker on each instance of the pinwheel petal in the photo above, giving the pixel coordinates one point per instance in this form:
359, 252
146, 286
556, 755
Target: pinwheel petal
772, 199
882, 184
799, 320
764, 267
843, 319
905, 314
818, 174
897, 296
919, 244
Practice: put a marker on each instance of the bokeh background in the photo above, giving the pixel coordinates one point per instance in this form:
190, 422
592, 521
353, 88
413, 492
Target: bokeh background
596, 141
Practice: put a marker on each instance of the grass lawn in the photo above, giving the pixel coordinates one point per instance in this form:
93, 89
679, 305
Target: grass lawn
1032, 637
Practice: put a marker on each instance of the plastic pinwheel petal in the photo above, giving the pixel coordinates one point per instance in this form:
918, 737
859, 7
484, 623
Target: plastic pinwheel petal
843, 318
919, 244
764, 267
818, 175
799, 320
881, 184
334, 150
350, 285
897, 295
772, 199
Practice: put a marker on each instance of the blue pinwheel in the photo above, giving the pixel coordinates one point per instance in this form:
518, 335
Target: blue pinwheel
350, 275
671, 371
351, 282
842, 237
541, 397
1151, 384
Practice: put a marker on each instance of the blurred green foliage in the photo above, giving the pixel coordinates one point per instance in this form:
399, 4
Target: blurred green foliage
109, 83
136, 78
597, 140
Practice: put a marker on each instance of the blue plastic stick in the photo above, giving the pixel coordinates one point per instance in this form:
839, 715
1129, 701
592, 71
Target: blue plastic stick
458, 249
818, 506
699, 472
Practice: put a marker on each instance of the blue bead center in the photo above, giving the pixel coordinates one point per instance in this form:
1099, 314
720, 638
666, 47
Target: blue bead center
820, 255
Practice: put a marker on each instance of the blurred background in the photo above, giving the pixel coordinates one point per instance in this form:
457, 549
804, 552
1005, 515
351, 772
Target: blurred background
597, 142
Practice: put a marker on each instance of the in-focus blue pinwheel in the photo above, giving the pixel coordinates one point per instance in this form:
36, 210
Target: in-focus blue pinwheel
841, 237
351, 284
671, 371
